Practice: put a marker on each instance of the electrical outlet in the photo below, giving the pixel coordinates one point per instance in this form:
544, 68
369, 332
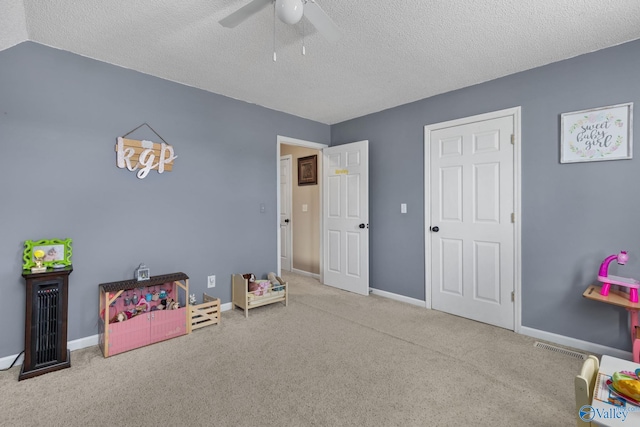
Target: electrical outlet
211, 281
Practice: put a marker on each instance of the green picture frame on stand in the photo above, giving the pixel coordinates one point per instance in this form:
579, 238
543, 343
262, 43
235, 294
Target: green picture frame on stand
57, 253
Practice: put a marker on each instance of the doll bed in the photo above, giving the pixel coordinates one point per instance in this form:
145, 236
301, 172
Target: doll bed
246, 300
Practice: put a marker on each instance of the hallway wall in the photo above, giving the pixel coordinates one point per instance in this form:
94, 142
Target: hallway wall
305, 225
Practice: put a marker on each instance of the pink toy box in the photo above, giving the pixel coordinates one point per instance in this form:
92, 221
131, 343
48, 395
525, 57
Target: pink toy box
138, 313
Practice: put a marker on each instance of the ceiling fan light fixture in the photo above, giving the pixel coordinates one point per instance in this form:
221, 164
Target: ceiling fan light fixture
289, 11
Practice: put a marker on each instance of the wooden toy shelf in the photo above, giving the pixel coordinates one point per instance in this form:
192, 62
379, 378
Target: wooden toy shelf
148, 327
241, 297
615, 297
620, 299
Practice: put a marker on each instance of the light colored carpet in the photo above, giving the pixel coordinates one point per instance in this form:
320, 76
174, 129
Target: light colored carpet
331, 358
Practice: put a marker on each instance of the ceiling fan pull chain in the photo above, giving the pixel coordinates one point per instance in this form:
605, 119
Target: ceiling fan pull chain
274, 31
290, 12
303, 50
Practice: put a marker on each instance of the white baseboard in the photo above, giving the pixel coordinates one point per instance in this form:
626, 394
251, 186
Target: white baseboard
587, 346
401, 298
83, 342
78, 344
5, 362
575, 343
305, 273
531, 332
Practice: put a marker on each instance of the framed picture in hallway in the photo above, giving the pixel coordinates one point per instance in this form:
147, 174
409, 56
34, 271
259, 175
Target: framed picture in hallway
603, 133
308, 170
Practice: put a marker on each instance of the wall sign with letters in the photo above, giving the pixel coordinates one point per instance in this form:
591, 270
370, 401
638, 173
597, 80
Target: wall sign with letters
603, 133
144, 156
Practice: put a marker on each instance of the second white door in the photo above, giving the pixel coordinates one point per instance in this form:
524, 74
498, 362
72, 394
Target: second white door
346, 217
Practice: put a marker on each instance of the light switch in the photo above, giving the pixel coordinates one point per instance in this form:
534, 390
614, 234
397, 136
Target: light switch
305, 207
403, 208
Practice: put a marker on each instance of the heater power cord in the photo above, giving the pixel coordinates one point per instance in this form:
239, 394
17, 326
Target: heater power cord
14, 361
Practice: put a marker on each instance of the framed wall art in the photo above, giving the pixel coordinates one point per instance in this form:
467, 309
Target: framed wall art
54, 253
308, 170
597, 134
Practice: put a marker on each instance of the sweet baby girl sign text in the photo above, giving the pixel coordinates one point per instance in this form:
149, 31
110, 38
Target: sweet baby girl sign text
598, 134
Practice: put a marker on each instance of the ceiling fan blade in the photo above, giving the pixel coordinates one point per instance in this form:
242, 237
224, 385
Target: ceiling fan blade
321, 21
244, 13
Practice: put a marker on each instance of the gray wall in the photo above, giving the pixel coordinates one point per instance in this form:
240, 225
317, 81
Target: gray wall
60, 115
573, 215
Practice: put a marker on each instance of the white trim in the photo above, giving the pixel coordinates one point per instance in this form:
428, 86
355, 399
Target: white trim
516, 113
530, 332
517, 206
305, 273
427, 217
575, 343
396, 297
302, 143
5, 362
83, 342
80, 343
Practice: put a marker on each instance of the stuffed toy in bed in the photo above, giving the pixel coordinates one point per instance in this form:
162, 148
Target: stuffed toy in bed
259, 287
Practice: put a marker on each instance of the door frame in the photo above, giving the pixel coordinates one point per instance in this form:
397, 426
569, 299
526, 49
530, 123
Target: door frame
308, 144
515, 112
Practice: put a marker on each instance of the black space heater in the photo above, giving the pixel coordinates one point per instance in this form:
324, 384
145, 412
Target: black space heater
45, 329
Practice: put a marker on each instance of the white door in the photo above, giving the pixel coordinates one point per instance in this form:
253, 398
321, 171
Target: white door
286, 240
471, 230
346, 217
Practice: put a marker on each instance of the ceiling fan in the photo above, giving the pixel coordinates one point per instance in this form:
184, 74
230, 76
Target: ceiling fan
289, 12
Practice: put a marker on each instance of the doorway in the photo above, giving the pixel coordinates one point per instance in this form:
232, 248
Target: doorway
305, 220
472, 217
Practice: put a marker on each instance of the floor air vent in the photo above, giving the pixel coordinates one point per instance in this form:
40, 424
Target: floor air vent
560, 350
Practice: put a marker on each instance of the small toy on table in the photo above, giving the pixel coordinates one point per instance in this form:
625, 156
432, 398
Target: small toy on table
607, 280
627, 384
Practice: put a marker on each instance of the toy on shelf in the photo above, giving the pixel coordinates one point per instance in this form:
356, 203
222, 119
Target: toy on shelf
607, 280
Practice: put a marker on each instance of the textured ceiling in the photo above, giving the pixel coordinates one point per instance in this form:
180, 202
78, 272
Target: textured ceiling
391, 52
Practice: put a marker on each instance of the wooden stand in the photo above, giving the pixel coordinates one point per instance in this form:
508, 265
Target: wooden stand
45, 331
